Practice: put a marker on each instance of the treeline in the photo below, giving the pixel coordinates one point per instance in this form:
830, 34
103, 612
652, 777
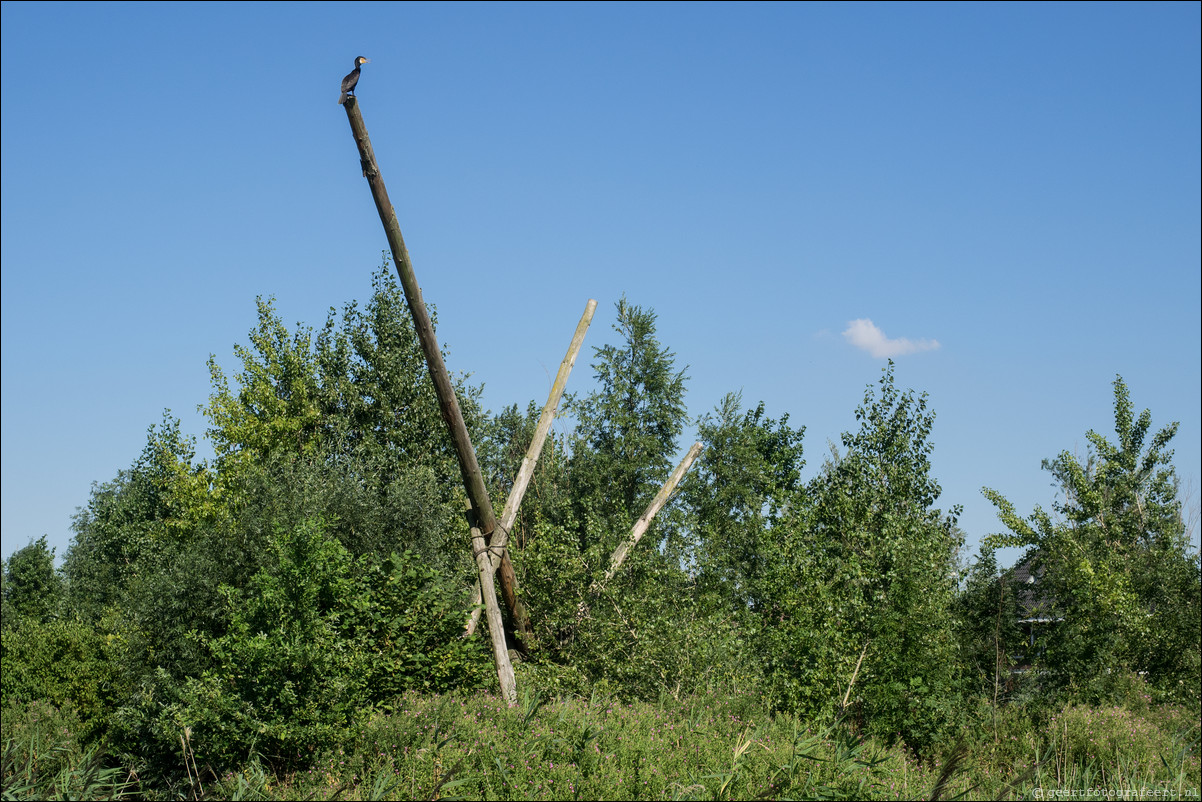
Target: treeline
264, 601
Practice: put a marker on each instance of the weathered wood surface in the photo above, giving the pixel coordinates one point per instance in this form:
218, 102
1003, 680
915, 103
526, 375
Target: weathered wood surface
496, 627
640, 527
469, 467
526, 471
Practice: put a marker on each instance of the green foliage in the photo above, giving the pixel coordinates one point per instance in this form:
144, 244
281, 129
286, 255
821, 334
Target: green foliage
746, 482
63, 662
271, 612
362, 383
625, 441
48, 656
44, 758
386, 390
987, 614
867, 575
146, 511
278, 405
356, 403
501, 451
342, 427
1083, 747
313, 639
596, 748
283, 678
644, 631
410, 621
32, 588
1115, 568
718, 746
647, 634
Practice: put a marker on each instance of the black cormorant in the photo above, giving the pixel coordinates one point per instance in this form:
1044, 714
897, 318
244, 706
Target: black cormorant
348, 83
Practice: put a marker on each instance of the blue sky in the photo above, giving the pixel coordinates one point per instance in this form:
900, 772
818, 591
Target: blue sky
1004, 197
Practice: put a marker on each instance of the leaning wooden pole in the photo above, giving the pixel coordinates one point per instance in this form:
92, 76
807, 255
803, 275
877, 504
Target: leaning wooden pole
526, 471
496, 627
640, 526
473, 479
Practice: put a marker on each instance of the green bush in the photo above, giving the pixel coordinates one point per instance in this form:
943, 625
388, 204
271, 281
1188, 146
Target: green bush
313, 641
62, 663
32, 588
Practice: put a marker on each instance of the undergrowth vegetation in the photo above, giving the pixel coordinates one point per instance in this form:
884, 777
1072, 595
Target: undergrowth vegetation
721, 746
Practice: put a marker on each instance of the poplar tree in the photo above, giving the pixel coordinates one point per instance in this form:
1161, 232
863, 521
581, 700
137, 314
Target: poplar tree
1114, 563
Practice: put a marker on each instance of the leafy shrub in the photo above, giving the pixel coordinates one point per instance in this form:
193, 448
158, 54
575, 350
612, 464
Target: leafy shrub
314, 640
409, 620
61, 663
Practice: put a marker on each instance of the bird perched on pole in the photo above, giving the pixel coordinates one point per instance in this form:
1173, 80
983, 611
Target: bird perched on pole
352, 78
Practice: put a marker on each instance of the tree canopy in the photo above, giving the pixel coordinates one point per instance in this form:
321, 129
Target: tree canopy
317, 566
1113, 561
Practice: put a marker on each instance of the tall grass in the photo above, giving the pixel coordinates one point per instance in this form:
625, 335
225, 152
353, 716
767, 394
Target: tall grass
43, 759
719, 747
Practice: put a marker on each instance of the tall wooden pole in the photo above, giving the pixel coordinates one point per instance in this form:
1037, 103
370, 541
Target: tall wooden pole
473, 479
496, 628
448, 403
526, 471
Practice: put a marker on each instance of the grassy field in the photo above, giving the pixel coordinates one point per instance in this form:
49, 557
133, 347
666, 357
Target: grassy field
717, 747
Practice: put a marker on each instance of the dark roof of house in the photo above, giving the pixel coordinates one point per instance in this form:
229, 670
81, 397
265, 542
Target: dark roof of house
1035, 605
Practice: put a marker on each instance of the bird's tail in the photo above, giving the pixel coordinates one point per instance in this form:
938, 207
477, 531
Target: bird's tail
342, 99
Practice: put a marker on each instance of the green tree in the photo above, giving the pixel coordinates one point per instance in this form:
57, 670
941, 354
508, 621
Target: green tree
32, 588
47, 653
356, 399
501, 451
642, 631
867, 577
277, 405
390, 401
988, 614
339, 426
1115, 563
746, 482
132, 520
625, 442
314, 639
284, 678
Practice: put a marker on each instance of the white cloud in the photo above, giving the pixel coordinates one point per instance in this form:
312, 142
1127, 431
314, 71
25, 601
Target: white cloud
864, 334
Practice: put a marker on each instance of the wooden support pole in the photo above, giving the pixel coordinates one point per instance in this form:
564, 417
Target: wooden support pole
496, 627
640, 527
854, 674
526, 471
473, 479
448, 403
